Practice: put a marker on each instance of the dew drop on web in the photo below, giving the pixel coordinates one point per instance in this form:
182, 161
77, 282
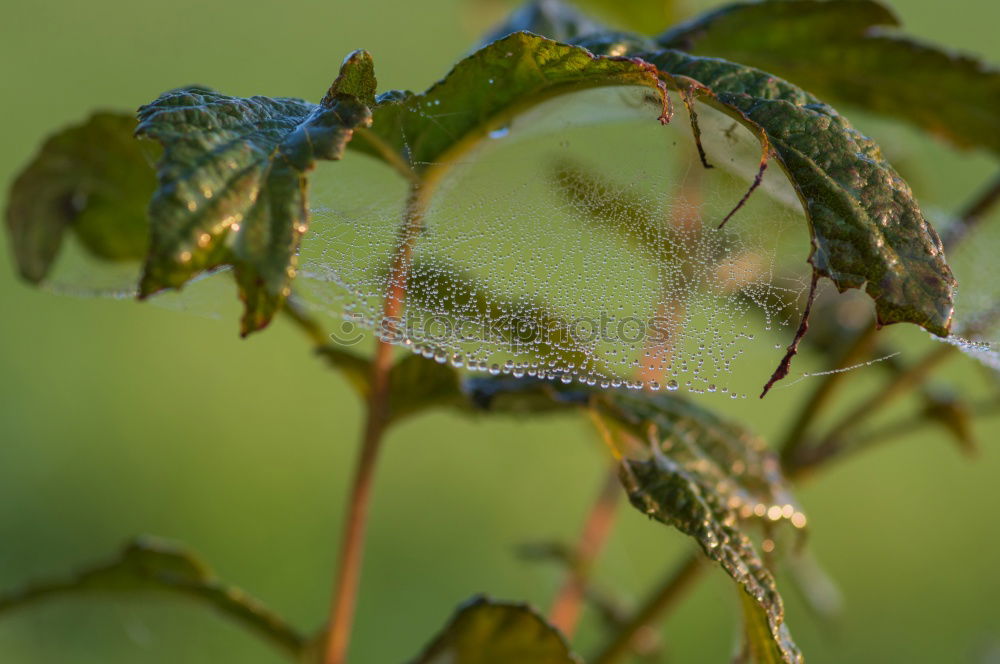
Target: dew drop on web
580, 244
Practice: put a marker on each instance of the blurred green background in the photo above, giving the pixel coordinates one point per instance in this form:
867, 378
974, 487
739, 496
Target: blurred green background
118, 418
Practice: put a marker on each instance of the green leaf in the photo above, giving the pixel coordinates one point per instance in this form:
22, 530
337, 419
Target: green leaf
846, 51
148, 564
233, 188
483, 92
687, 468
867, 228
484, 631
91, 179
760, 647
417, 384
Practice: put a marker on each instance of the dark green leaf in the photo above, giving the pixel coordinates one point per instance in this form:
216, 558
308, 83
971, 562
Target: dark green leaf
92, 179
484, 631
233, 185
418, 383
356, 79
845, 51
689, 469
483, 93
549, 18
516, 396
151, 565
867, 229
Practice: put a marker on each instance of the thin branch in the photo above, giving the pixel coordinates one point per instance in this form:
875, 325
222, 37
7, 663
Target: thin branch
344, 600
898, 429
793, 348
796, 436
900, 385
974, 212
567, 606
666, 595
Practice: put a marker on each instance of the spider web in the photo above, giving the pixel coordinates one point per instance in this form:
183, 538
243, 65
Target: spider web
581, 243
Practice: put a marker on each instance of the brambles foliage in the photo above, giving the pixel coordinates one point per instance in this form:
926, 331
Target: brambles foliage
232, 191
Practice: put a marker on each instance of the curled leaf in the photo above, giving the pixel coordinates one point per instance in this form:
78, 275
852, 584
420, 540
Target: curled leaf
867, 228
233, 186
485, 631
688, 469
483, 92
848, 51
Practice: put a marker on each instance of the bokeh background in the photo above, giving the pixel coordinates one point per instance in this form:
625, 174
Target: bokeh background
118, 418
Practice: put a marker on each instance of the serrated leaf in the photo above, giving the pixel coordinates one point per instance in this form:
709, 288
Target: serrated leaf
483, 93
685, 467
91, 179
232, 183
867, 228
148, 564
484, 631
846, 51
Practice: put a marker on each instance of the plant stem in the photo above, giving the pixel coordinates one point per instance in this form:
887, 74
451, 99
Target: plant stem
972, 214
344, 601
796, 436
567, 606
353, 539
796, 463
669, 592
901, 384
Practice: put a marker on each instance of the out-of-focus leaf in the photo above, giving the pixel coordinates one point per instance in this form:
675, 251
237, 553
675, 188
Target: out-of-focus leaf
92, 179
417, 384
440, 287
818, 591
233, 184
846, 51
564, 22
522, 396
607, 204
483, 93
687, 468
642, 16
867, 229
955, 416
484, 631
147, 565
549, 18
